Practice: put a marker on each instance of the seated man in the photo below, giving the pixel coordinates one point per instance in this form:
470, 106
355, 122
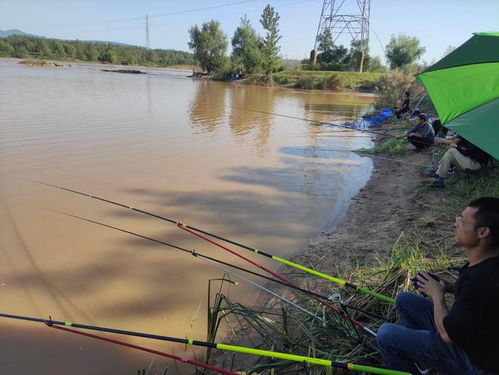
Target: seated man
438, 128
421, 135
461, 154
464, 339
404, 107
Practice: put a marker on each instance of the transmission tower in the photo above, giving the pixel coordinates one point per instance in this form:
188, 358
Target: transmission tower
353, 26
147, 32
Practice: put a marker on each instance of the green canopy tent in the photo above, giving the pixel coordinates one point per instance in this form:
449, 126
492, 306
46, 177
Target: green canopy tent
464, 88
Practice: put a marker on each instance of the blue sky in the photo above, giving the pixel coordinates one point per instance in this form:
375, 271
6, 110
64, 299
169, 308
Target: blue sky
436, 23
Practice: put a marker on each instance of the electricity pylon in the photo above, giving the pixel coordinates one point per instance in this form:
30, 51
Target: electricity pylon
354, 26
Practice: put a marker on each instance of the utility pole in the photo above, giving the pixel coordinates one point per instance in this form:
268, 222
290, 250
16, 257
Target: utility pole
354, 26
147, 32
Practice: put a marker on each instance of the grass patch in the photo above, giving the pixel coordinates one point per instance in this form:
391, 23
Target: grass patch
391, 146
320, 80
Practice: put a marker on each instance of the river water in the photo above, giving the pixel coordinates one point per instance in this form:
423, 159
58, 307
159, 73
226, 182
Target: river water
208, 154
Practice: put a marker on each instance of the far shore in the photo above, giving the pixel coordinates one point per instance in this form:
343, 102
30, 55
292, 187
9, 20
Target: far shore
310, 81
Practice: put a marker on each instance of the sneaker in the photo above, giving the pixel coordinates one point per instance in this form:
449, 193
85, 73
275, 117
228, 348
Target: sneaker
431, 172
438, 183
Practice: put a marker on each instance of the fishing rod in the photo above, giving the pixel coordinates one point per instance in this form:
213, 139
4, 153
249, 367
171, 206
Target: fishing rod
310, 294
385, 134
196, 254
214, 345
311, 121
254, 250
144, 349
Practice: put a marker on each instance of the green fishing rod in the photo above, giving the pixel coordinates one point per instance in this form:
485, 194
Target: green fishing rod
197, 254
189, 228
214, 345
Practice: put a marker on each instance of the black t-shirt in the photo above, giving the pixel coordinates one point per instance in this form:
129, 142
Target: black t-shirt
405, 104
473, 321
468, 149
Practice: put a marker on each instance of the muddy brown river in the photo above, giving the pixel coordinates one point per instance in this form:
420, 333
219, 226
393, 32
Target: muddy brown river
213, 155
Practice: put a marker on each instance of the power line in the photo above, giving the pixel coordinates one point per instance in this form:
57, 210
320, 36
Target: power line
79, 24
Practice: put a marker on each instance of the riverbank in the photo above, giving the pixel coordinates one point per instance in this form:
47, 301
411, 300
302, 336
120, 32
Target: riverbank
337, 81
394, 227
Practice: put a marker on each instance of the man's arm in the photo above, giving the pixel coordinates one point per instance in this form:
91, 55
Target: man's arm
436, 290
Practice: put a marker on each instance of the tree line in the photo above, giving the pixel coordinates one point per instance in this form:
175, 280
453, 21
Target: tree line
252, 53
41, 48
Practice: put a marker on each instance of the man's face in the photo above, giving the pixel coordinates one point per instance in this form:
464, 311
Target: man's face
466, 232
420, 122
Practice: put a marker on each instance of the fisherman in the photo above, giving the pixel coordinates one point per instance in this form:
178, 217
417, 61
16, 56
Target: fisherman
421, 135
404, 107
461, 154
465, 338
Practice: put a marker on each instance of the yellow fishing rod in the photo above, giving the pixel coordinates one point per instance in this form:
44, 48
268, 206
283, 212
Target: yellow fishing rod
214, 345
192, 229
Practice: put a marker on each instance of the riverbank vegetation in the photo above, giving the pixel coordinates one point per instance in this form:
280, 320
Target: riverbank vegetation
22, 46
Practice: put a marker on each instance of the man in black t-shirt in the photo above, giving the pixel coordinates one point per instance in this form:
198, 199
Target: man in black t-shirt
465, 338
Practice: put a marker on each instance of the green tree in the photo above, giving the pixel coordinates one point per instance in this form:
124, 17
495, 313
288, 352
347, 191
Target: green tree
91, 52
70, 50
60, 52
6, 50
270, 48
21, 52
247, 48
209, 44
403, 50
44, 49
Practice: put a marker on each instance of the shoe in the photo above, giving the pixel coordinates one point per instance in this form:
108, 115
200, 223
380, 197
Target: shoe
431, 172
438, 183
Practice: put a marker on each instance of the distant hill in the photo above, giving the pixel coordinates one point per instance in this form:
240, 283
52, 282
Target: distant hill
29, 46
7, 33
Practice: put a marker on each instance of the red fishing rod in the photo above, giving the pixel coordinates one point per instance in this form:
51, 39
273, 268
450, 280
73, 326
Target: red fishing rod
141, 348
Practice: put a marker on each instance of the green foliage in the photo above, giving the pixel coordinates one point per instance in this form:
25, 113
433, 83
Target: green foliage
247, 49
209, 44
33, 47
6, 50
270, 47
403, 50
390, 147
392, 86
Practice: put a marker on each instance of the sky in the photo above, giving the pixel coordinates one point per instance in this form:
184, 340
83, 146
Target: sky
438, 24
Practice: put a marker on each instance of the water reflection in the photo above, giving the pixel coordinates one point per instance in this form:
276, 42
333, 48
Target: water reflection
207, 109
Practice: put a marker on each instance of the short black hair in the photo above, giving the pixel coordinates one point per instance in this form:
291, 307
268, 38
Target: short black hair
407, 93
488, 216
422, 117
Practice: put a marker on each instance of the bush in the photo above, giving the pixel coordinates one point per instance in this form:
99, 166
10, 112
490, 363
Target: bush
306, 82
391, 87
332, 82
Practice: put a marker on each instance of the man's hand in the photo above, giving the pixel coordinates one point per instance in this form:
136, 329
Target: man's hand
431, 287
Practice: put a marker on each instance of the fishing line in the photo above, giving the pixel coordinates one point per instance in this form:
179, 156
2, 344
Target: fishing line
256, 251
195, 253
214, 345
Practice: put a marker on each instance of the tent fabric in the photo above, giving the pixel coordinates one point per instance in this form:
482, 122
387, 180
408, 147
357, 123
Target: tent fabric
481, 48
484, 131
464, 88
